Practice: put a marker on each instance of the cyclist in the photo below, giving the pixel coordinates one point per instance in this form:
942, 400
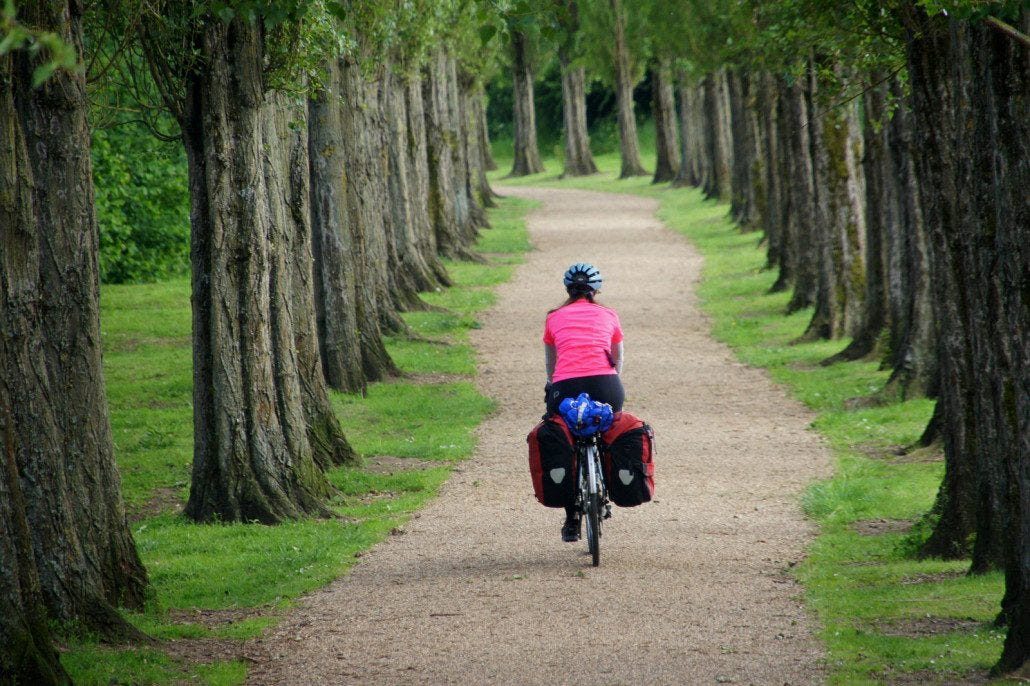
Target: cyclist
583, 353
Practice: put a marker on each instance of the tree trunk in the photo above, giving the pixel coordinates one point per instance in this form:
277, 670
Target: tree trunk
27, 655
335, 272
970, 95
419, 181
717, 134
840, 221
252, 458
409, 211
743, 152
467, 162
801, 260
527, 154
756, 143
955, 509
689, 173
484, 161
664, 108
483, 129
50, 357
288, 182
913, 338
773, 174
628, 144
880, 205
369, 218
442, 137
578, 159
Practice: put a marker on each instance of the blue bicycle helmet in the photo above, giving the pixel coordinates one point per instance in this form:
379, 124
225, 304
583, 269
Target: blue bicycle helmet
582, 278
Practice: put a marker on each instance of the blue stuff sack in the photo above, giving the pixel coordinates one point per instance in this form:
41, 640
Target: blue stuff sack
584, 416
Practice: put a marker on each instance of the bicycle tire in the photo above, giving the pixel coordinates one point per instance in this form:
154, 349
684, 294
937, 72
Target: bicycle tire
593, 517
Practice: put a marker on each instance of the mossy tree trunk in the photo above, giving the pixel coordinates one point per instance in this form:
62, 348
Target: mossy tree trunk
629, 145
442, 139
335, 273
689, 171
664, 109
252, 457
800, 231
27, 654
770, 97
880, 218
408, 187
368, 217
419, 184
579, 161
840, 219
480, 158
718, 148
287, 172
912, 323
527, 152
60, 458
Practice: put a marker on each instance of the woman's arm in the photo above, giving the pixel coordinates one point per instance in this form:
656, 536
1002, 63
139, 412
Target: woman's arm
617, 357
550, 359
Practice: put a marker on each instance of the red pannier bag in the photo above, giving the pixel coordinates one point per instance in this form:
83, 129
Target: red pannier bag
552, 462
628, 459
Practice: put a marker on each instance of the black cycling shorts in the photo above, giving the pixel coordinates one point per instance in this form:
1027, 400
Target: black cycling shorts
605, 388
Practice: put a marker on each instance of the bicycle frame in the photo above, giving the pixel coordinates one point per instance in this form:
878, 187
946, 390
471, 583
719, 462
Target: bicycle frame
592, 496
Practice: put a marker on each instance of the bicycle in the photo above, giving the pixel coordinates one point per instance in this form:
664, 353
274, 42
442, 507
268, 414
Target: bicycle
592, 492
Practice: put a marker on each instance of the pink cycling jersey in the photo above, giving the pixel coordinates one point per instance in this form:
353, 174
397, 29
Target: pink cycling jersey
583, 334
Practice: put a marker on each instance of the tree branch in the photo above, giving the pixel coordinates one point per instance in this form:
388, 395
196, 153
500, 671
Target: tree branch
1010, 31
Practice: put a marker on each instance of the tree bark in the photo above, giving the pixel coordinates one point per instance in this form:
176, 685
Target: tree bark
880, 205
50, 357
629, 146
913, 338
839, 222
955, 509
368, 217
27, 653
579, 161
288, 180
409, 211
419, 181
689, 173
527, 153
801, 260
252, 458
482, 161
335, 272
483, 130
467, 161
442, 137
743, 157
719, 146
773, 175
664, 109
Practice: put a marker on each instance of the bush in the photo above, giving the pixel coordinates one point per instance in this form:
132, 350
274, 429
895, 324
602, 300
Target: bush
142, 201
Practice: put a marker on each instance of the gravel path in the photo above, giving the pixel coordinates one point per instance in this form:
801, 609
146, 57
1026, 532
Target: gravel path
691, 589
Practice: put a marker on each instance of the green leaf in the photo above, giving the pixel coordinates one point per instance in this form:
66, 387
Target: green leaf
486, 32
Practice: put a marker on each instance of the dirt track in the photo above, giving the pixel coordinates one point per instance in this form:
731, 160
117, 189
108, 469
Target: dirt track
691, 588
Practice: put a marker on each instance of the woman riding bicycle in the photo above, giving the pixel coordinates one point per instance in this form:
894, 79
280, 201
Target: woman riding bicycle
582, 354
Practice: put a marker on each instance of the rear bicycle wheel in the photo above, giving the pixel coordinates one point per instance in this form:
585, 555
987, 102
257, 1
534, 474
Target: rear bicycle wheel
593, 517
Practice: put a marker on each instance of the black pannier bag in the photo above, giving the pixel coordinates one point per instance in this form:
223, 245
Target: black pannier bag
552, 462
628, 460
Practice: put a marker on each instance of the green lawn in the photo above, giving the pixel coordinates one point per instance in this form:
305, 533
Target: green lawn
882, 615
248, 572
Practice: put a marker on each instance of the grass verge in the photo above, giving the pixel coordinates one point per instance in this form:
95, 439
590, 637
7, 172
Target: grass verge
223, 584
883, 616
